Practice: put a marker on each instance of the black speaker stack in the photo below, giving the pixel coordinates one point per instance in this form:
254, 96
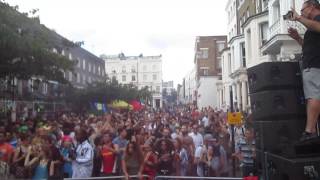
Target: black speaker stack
278, 111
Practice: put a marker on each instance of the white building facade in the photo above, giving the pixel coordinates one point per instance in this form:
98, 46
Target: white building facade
262, 37
207, 92
279, 45
224, 85
189, 87
234, 76
141, 71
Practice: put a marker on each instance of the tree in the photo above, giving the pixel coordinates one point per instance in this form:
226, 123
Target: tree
164, 92
173, 97
105, 92
26, 48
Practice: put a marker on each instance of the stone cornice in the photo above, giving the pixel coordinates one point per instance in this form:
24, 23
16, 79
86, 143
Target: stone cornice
238, 72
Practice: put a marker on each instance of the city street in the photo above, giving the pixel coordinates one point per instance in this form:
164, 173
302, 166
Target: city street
170, 89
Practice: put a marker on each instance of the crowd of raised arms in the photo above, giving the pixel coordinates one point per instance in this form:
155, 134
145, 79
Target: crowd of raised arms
179, 141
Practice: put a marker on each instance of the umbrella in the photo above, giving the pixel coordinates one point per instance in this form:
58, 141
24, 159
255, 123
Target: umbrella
136, 105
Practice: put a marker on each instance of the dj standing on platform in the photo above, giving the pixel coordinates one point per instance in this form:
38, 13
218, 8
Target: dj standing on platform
310, 18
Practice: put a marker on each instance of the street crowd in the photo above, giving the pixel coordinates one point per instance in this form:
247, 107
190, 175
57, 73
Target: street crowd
177, 141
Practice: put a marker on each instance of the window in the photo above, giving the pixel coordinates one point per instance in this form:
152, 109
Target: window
89, 80
99, 71
243, 54
113, 70
144, 68
44, 88
221, 46
145, 77
229, 63
154, 77
70, 76
62, 53
205, 72
133, 69
249, 44
84, 80
264, 5
70, 56
154, 67
124, 78
264, 33
158, 89
78, 78
123, 69
276, 12
94, 69
133, 78
79, 63
203, 53
84, 64
89, 66
218, 62
258, 6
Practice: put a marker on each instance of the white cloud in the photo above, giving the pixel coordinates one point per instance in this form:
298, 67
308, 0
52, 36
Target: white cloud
151, 27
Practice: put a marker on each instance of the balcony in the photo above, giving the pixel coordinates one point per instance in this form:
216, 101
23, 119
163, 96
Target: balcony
275, 29
278, 37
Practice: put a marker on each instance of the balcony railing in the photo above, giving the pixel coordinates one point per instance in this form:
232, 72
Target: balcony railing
275, 29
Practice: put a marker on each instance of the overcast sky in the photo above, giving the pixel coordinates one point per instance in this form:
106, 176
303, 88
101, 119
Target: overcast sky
151, 27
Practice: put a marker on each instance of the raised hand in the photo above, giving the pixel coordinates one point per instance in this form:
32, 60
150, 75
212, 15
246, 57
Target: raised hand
293, 33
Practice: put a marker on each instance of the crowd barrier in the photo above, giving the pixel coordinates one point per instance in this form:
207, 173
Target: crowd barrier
195, 177
161, 177
108, 177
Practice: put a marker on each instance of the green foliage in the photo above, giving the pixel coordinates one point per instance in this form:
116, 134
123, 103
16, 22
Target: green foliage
105, 92
26, 47
170, 98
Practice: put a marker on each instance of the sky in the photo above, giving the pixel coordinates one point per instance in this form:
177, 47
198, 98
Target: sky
150, 27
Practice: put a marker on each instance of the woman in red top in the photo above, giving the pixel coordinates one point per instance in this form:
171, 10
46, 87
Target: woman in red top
149, 164
108, 154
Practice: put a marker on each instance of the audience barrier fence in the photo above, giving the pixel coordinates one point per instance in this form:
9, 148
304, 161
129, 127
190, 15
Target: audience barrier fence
160, 178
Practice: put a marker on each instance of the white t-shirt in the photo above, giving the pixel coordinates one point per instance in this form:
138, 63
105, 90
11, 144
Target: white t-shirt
199, 151
205, 121
174, 135
197, 139
83, 164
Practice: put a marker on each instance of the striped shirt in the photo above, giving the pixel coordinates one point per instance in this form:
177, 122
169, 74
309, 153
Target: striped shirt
246, 149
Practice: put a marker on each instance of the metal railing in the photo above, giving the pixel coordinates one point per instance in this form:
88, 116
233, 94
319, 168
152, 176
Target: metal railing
107, 177
274, 28
160, 177
195, 177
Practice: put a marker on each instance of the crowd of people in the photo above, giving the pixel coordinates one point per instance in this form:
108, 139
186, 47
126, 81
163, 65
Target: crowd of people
179, 141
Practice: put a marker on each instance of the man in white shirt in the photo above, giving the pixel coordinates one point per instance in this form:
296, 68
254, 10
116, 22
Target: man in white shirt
205, 121
200, 155
196, 136
83, 161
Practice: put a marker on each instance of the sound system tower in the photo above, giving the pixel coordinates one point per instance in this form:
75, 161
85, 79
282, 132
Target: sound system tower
279, 115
